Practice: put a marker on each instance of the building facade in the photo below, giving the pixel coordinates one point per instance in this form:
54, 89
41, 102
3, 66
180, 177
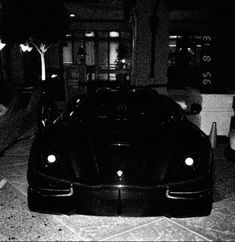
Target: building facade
179, 45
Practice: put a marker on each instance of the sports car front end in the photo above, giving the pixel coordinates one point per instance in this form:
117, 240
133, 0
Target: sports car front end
115, 154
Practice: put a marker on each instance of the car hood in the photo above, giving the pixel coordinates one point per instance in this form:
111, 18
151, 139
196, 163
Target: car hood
133, 141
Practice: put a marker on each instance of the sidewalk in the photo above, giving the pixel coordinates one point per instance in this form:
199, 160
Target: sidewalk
19, 119
18, 223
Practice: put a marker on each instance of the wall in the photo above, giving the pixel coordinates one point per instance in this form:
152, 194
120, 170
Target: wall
143, 44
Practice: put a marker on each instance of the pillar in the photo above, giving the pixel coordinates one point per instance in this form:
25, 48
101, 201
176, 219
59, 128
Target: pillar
149, 61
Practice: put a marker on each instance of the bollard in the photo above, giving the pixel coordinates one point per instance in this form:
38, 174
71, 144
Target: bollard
232, 139
230, 152
213, 135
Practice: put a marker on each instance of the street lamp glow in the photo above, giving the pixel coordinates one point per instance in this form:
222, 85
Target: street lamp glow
114, 34
54, 75
25, 47
29, 48
2, 45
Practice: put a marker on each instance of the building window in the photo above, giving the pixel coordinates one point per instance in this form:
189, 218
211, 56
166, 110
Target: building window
201, 61
101, 53
190, 61
67, 54
185, 50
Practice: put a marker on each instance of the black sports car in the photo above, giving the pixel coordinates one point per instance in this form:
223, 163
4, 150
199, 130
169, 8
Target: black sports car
121, 151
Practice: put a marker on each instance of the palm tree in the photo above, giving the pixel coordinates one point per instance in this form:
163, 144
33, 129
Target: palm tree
36, 23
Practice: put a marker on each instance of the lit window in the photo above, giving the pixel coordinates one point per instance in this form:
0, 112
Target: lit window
113, 53
67, 53
101, 49
112, 77
89, 34
90, 52
113, 34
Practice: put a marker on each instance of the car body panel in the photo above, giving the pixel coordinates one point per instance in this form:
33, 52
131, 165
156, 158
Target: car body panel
115, 145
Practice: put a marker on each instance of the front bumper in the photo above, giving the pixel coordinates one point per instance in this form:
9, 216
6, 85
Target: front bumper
168, 200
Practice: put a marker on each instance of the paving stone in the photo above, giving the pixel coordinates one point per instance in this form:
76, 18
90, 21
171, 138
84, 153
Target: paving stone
17, 223
99, 227
21, 148
13, 160
220, 225
161, 230
17, 176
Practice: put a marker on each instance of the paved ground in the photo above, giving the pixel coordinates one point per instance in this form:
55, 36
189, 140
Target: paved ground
18, 223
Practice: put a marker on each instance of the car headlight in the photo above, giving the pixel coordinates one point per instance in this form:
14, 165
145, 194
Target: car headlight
51, 158
50, 163
192, 161
189, 161
192, 166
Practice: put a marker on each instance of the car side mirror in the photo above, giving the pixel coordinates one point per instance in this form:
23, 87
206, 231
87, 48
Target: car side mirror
195, 108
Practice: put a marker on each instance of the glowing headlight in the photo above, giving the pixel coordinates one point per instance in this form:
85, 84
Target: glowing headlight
189, 161
51, 158
119, 173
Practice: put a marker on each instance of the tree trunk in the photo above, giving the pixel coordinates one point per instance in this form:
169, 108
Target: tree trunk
43, 66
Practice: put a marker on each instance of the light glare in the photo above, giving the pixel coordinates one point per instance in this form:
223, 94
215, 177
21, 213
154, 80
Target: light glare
54, 75
189, 161
25, 47
119, 173
2, 45
113, 34
51, 158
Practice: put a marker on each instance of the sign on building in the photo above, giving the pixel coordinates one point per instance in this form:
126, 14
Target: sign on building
75, 78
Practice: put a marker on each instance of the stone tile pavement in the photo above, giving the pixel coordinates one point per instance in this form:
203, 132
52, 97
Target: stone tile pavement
17, 223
